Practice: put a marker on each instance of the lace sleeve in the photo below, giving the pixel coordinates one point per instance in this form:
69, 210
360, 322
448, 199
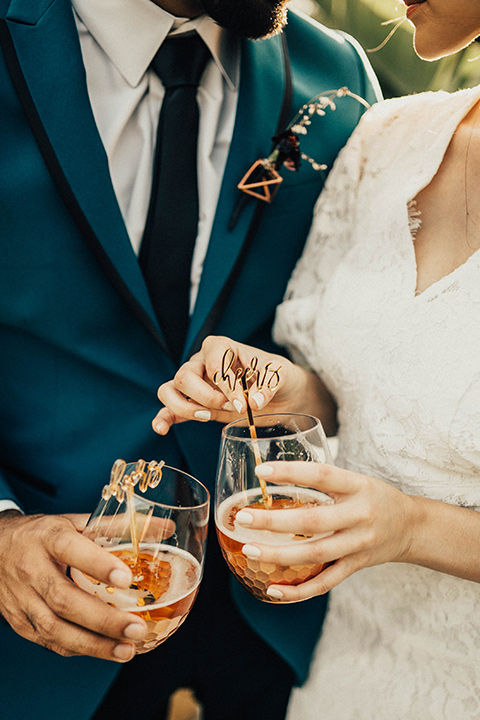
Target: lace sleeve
328, 241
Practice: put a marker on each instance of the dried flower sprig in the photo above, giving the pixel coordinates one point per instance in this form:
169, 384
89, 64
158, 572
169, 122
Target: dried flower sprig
263, 179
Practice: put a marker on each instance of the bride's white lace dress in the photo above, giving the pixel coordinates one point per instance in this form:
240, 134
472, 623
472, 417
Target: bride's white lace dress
400, 642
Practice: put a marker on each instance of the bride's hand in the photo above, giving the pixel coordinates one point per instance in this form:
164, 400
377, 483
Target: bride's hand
370, 523
207, 387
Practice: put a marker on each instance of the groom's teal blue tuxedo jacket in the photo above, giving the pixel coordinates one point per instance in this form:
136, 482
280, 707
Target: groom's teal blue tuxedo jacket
81, 354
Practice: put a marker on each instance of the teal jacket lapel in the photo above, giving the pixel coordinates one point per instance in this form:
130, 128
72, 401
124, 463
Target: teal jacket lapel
258, 110
43, 50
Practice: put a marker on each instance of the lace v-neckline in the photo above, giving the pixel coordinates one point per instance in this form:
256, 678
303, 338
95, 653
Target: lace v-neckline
413, 216
414, 224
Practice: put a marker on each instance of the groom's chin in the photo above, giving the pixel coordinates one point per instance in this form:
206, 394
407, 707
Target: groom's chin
252, 19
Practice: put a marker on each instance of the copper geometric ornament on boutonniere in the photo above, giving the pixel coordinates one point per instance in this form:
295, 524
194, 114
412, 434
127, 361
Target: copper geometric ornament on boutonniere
262, 179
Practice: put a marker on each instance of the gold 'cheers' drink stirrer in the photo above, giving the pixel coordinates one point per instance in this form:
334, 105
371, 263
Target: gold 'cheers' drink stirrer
231, 376
121, 484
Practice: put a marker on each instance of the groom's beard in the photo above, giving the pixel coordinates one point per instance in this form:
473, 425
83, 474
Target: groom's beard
248, 18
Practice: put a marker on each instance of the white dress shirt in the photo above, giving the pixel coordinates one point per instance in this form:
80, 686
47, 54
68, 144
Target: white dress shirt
119, 39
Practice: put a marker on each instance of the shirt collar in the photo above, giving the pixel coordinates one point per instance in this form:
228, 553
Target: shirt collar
131, 31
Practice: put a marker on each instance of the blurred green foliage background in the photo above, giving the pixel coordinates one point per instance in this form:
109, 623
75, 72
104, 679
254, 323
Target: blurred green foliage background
399, 70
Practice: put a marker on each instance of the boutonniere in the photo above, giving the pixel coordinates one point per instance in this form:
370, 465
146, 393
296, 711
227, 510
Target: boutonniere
263, 179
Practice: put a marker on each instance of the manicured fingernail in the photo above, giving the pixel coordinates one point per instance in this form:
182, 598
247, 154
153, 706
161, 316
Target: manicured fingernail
251, 551
263, 470
244, 518
134, 631
228, 406
274, 593
120, 578
124, 652
238, 406
203, 414
259, 399
161, 428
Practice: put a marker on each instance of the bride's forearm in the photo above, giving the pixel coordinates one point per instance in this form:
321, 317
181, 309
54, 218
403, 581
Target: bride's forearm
445, 538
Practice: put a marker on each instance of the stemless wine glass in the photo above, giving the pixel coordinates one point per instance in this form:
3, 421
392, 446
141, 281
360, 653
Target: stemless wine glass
154, 518
279, 437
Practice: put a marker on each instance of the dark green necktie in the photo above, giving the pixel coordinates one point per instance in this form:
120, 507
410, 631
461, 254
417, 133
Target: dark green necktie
172, 220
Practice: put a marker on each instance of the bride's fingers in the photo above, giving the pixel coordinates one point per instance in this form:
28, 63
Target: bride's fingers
326, 549
196, 395
267, 382
259, 397
163, 421
224, 368
227, 362
308, 553
189, 384
327, 478
322, 583
307, 520
178, 409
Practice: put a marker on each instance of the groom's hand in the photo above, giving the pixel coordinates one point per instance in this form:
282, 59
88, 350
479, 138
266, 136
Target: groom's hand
43, 605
